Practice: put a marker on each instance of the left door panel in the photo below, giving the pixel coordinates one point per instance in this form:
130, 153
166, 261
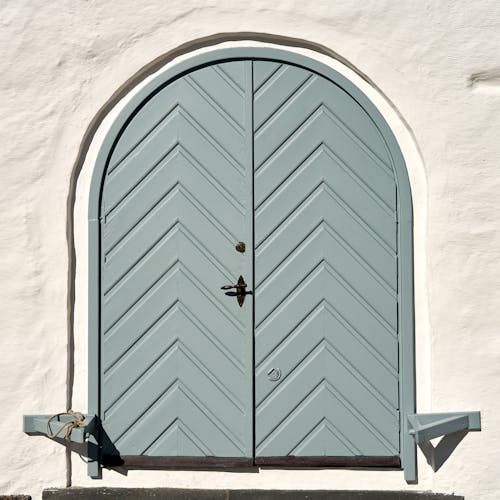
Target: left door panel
176, 351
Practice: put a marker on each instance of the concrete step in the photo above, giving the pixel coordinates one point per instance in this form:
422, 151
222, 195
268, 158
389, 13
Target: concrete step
191, 494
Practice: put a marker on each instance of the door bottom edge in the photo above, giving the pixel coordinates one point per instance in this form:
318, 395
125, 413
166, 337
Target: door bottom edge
331, 461
211, 462
176, 462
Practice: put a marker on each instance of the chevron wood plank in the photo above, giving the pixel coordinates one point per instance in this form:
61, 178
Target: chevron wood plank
319, 96
326, 303
176, 351
324, 323
149, 238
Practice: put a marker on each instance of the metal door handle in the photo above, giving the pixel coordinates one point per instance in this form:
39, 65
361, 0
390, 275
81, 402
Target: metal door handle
230, 287
240, 290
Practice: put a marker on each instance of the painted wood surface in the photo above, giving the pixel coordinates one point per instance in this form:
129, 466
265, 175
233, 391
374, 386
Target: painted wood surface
222, 154
326, 304
176, 352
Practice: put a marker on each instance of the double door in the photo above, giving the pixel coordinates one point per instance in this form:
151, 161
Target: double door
271, 179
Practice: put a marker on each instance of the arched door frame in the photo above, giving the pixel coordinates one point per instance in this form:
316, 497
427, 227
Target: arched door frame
404, 211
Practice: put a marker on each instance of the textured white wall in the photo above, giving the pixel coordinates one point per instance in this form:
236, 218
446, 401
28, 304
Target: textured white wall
436, 65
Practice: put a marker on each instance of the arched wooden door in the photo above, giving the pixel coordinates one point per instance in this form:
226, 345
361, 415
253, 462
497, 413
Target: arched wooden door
303, 366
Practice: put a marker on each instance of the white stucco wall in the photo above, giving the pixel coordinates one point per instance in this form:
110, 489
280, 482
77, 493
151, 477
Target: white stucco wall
436, 66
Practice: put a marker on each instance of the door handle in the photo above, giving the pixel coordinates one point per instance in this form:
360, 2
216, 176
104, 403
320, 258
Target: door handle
240, 290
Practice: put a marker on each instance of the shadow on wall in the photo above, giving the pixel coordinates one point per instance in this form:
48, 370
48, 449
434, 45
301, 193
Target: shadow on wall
437, 455
89, 452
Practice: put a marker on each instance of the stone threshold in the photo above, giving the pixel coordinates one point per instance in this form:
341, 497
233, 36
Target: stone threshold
193, 494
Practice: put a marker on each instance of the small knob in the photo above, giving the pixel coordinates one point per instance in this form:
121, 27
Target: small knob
274, 374
240, 247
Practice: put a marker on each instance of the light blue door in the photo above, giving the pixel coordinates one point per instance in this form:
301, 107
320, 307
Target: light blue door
288, 163
176, 352
326, 309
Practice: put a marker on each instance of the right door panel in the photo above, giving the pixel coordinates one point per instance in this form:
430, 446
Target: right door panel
326, 298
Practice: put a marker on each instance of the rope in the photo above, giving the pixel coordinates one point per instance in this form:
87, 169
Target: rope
77, 420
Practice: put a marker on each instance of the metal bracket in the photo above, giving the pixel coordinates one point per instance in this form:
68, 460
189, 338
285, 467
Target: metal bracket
426, 426
36, 425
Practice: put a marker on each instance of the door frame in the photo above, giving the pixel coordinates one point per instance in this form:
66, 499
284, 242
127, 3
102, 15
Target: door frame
404, 241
